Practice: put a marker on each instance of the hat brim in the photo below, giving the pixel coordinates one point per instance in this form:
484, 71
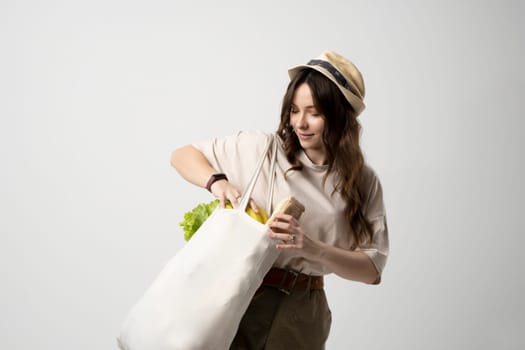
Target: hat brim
356, 103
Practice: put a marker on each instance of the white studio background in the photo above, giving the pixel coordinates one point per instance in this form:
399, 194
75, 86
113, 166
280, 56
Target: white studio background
96, 94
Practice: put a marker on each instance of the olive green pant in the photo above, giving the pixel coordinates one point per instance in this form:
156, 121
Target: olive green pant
275, 320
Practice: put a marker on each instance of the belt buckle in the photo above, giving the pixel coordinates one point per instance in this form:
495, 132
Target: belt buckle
288, 290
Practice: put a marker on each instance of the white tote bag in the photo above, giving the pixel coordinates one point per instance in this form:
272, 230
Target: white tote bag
199, 298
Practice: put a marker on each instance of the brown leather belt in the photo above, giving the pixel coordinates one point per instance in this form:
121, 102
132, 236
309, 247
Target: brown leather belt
288, 280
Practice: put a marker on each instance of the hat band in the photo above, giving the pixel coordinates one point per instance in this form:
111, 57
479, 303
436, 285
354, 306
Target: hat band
335, 73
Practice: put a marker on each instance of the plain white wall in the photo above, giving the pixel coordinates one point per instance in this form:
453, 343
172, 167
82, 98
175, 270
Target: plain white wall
96, 94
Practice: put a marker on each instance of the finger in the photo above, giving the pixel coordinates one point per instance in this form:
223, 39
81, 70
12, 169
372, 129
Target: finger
235, 199
285, 218
282, 226
287, 246
254, 206
222, 201
290, 241
285, 237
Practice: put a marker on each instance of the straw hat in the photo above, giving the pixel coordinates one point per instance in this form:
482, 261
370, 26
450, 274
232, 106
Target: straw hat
342, 73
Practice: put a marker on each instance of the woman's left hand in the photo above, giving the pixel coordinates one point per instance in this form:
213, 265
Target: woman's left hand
290, 235
352, 265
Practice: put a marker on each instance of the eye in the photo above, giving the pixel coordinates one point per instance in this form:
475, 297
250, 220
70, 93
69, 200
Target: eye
293, 110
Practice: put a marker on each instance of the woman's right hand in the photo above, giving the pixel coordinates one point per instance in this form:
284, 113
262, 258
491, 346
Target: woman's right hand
194, 167
225, 191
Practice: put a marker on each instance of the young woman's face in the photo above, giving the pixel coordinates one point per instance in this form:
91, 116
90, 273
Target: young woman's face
308, 124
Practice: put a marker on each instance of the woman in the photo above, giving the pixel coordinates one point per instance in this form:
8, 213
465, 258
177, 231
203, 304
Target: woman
319, 162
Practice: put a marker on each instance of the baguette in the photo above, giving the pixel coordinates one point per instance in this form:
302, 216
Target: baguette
290, 206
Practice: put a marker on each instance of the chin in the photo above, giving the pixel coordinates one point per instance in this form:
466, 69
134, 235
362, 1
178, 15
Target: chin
311, 145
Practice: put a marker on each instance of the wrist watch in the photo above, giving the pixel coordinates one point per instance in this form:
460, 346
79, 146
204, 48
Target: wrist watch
214, 178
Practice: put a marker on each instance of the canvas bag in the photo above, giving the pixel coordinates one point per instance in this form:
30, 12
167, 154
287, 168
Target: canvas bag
200, 296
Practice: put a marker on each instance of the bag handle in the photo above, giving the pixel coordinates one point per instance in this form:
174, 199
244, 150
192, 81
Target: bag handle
269, 196
249, 188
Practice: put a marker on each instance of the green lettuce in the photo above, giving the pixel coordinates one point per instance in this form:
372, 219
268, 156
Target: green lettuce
196, 217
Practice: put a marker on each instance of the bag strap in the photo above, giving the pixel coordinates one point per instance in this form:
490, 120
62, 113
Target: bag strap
249, 188
269, 196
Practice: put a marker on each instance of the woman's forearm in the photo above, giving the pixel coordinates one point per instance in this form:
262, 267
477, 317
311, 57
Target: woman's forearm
352, 265
191, 164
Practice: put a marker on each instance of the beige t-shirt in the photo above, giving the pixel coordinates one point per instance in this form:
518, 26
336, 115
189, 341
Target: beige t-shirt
323, 219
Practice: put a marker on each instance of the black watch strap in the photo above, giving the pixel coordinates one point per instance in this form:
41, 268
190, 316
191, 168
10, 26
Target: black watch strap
214, 178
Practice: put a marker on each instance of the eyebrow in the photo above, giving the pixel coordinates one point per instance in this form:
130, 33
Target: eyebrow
307, 107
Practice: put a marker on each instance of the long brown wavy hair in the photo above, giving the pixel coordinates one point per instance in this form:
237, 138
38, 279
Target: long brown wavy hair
341, 139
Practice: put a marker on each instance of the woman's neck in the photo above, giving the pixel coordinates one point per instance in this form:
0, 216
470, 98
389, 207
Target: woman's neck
317, 157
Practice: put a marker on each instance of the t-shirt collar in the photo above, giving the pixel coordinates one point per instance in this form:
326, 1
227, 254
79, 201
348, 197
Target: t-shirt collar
307, 162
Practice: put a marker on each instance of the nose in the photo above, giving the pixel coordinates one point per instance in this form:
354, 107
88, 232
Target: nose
300, 122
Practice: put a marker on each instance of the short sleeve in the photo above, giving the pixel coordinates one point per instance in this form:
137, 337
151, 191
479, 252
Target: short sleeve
375, 213
234, 155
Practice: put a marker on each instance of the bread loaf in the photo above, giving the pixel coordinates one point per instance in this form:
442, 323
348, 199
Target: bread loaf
290, 206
